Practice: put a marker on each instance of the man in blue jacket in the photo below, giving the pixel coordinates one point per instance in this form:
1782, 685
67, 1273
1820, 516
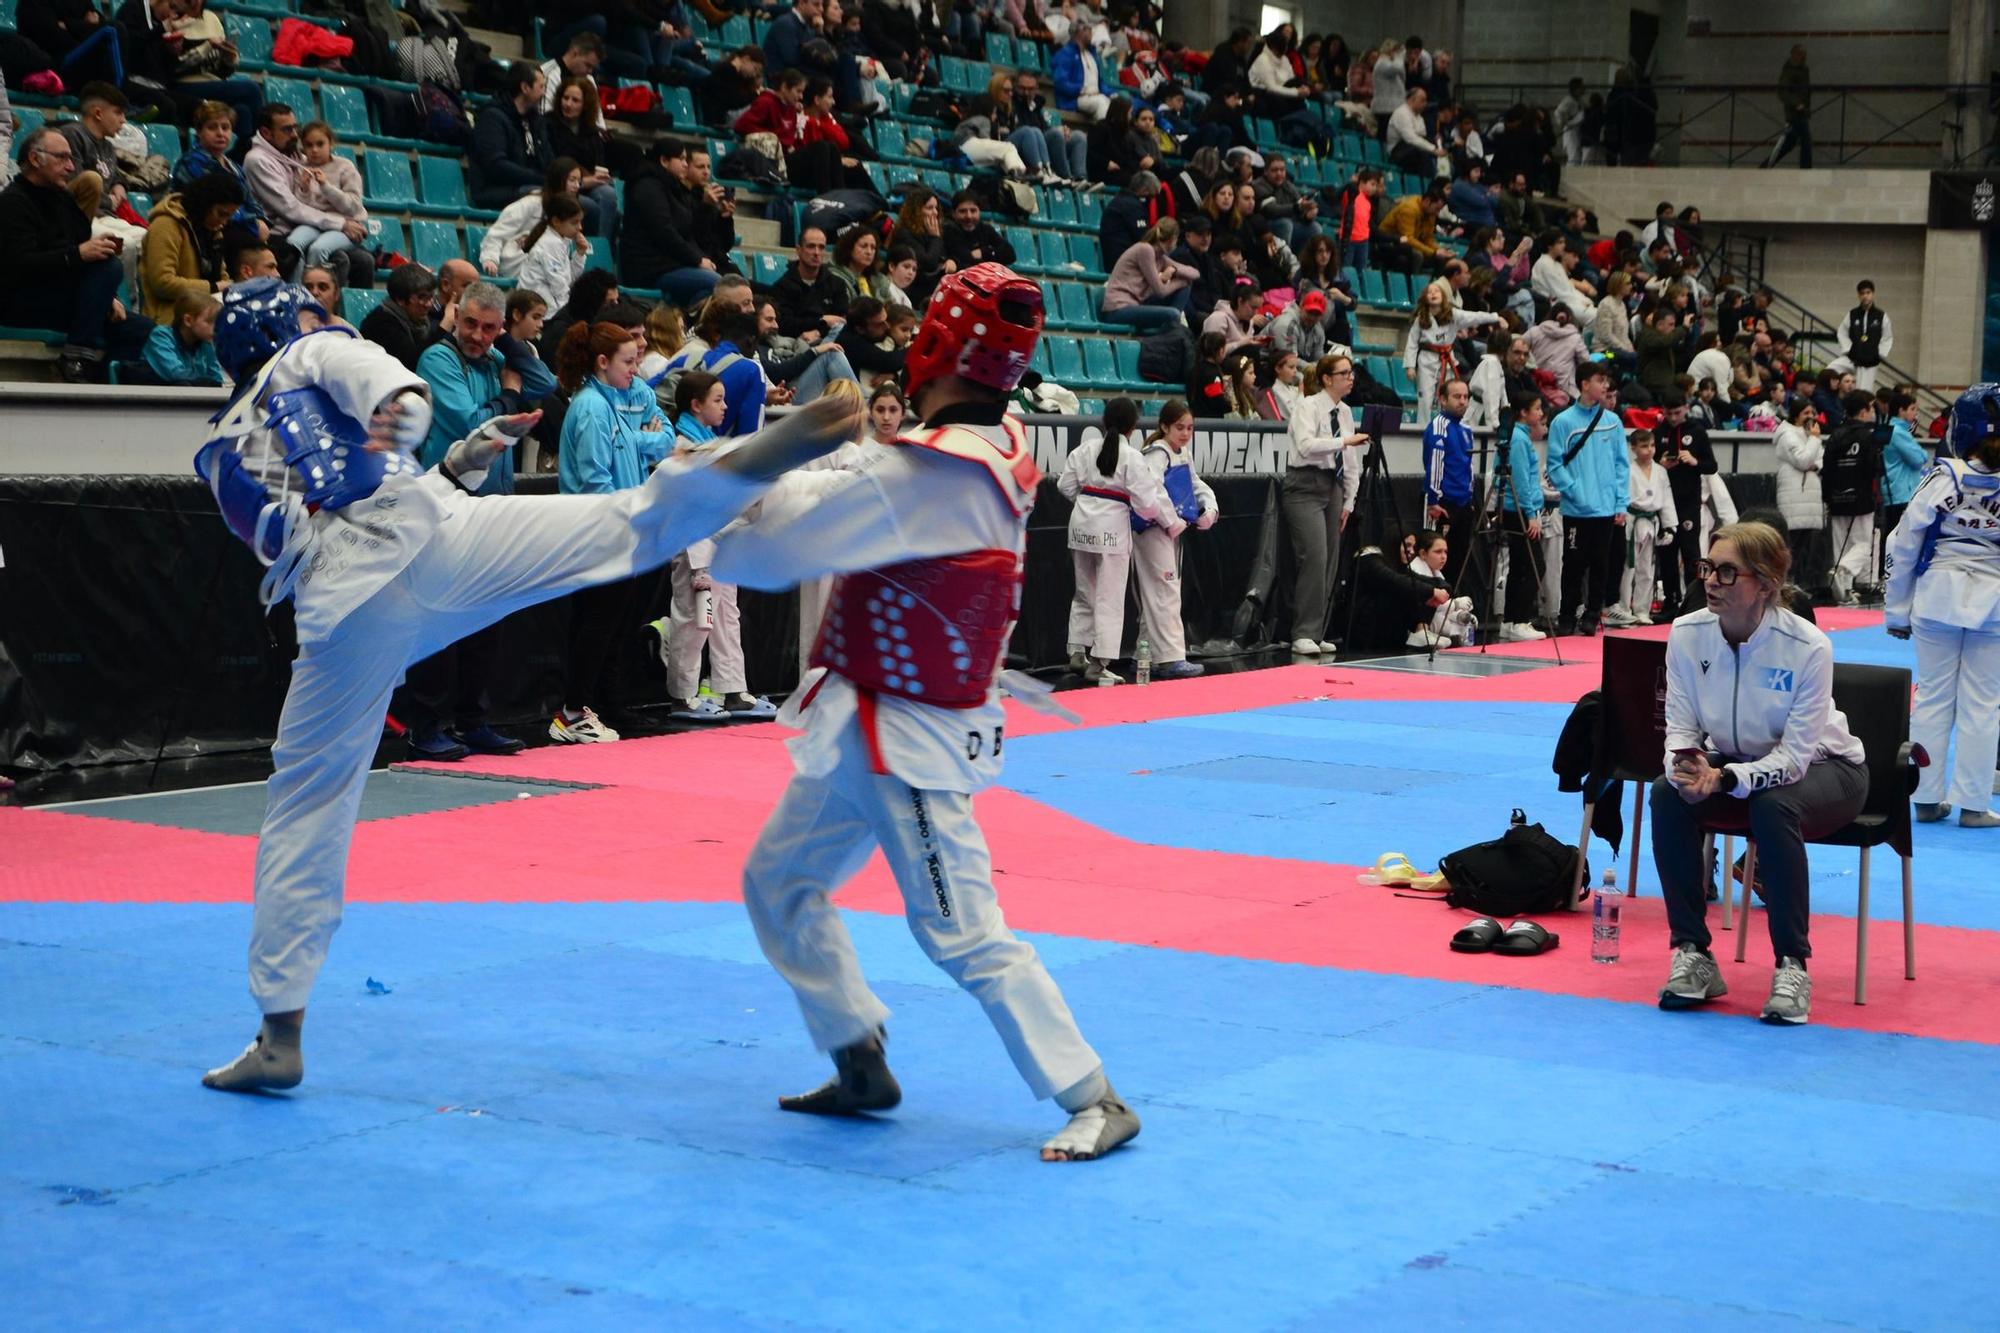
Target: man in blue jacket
1078, 77
1588, 465
444, 697
1448, 481
785, 39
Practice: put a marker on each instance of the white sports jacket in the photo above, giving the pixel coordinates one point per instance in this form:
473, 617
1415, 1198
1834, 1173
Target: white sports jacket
1766, 704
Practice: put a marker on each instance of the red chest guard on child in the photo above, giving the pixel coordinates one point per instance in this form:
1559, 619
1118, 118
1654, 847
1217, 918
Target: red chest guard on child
935, 630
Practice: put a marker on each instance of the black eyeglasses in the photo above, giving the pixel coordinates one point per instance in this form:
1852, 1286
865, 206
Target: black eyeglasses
1724, 575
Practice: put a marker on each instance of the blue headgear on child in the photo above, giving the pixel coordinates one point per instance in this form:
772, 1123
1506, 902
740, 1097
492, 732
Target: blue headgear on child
1975, 418
258, 317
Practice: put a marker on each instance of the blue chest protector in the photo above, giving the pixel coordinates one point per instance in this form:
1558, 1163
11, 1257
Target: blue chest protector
1968, 487
1179, 481
324, 447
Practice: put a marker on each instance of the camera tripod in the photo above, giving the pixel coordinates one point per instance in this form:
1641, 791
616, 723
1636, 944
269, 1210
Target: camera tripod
1491, 524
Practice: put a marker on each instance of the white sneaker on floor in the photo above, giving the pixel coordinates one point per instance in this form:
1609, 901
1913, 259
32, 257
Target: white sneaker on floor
1617, 617
1328, 647
585, 729
1308, 647
1518, 633
1421, 638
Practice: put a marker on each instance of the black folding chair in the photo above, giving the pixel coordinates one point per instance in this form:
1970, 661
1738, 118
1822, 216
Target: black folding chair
1876, 701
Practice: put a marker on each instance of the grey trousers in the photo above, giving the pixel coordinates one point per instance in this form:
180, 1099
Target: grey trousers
1828, 797
1312, 517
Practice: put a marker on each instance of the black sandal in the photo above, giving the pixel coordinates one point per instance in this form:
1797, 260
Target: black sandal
1526, 938
1478, 937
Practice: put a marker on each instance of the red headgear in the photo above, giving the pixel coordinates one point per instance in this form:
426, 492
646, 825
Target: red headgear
981, 323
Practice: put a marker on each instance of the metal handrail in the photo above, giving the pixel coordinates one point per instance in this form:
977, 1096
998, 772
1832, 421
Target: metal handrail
1751, 121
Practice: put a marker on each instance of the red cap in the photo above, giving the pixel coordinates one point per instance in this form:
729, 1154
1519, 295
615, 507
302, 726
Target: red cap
1313, 303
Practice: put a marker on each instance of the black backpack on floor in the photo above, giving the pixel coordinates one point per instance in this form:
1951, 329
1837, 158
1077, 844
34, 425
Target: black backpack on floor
1523, 872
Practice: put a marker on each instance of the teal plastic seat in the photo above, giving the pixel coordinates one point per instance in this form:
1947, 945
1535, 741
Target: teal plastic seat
388, 180
432, 243
443, 183
1127, 350
1066, 360
1054, 248
294, 93
679, 103
390, 239
1023, 241
357, 303
1079, 304
770, 268
1100, 364
346, 109
164, 140
252, 37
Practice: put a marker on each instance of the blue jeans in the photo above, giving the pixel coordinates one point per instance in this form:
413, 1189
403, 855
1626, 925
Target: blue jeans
1797, 131
1144, 318
90, 323
687, 286
600, 211
99, 53
823, 371
1033, 145
682, 55
1354, 254
1069, 152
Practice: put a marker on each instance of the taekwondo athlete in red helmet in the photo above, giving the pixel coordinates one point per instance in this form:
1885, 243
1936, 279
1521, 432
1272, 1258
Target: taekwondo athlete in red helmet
902, 719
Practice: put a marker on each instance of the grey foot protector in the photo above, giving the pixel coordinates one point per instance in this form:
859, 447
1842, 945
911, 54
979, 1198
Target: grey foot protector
1095, 1130
862, 1082
271, 1063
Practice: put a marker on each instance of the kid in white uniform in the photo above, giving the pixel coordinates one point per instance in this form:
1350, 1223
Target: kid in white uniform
903, 722
1107, 483
1157, 551
1429, 353
703, 613
1944, 588
312, 466
1650, 521
1451, 621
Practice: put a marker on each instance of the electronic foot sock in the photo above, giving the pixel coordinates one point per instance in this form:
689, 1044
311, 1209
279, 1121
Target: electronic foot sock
1094, 1129
861, 1082
271, 1063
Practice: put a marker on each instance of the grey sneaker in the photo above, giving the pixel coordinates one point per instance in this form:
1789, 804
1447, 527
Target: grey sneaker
1694, 979
1791, 994
1929, 812
1978, 819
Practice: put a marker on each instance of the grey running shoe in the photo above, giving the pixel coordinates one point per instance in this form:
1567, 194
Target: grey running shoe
1931, 812
1978, 819
1791, 994
1694, 979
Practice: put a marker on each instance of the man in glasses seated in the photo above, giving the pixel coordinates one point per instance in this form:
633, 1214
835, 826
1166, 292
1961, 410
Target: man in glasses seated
1750, 720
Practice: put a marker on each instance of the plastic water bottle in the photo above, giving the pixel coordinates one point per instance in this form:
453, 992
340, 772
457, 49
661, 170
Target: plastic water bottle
705, 610
1604, 906
1142, 662
1471, 633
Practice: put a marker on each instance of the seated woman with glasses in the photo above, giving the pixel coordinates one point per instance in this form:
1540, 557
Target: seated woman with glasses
1751, 732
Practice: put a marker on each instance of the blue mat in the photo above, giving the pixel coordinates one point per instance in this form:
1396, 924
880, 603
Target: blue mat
561, 1117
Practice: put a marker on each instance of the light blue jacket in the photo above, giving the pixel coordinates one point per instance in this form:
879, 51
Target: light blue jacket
1597, 482
177, 363
1903, 464
1524, 487
463, 397
605, 447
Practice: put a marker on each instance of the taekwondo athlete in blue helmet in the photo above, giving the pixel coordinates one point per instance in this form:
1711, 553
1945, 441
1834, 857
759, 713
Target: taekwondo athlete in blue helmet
312, 464
1944, 591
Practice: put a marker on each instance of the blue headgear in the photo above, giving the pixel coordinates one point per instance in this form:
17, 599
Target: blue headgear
258, 317
1975, 418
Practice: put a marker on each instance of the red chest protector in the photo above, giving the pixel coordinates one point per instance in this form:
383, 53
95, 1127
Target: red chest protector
935, 630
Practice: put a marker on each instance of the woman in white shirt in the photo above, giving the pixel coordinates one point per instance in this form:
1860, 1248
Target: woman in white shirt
500, 252
1800, 451
1944, 588
1107, 482
1751, 731
1322, 477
